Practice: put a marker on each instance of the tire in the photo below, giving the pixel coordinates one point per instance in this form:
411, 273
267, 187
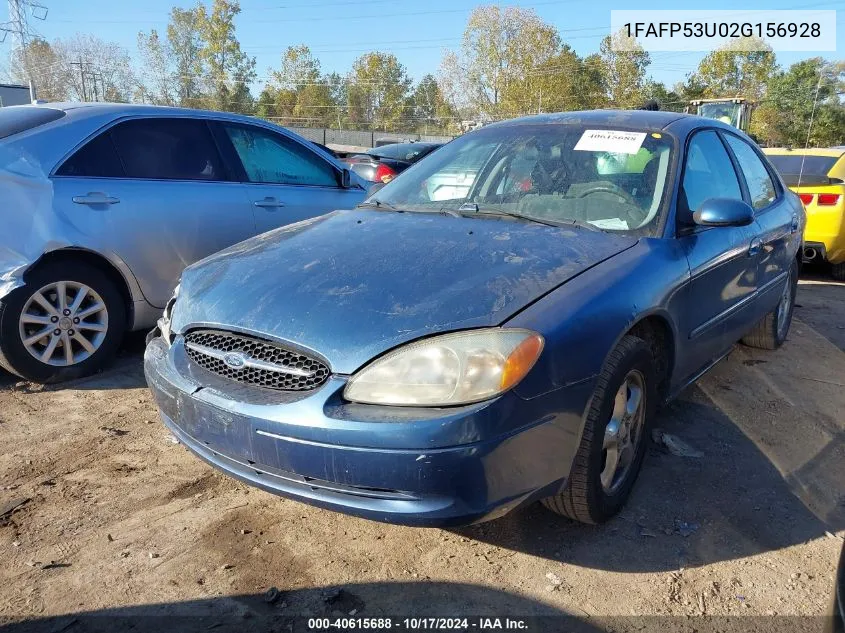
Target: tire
22, 316
588, 497
770, 333
838, 271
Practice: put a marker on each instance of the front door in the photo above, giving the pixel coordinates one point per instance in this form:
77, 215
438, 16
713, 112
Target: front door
722, 260
778, 224
286, 181
153, 192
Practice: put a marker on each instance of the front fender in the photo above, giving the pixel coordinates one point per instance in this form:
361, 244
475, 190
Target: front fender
583, 320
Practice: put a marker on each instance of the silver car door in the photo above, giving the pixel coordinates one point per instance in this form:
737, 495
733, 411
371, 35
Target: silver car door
286, 180
155, 192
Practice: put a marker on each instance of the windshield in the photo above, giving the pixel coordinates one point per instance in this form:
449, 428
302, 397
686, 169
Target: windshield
612, 179
724, 112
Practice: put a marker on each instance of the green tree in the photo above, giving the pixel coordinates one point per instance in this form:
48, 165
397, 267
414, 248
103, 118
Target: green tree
740, 69
313, 97
40, 62
230, 70
185, 45
495, 71
430, 109
807, 90
623, 68
157, 81
378, 91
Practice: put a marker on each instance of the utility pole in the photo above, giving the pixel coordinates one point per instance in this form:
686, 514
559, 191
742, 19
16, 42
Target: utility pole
81, 65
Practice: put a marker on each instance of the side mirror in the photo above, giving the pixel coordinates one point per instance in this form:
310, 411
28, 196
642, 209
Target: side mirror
723, 212
345, 178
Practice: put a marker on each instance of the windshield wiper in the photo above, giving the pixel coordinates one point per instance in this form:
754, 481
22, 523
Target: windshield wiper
376, 204
470, 209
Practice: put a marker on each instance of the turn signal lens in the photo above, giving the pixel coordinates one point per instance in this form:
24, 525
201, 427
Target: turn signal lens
521, 360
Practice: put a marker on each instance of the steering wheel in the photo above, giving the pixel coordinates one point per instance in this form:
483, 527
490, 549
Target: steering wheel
623, 195
631, 213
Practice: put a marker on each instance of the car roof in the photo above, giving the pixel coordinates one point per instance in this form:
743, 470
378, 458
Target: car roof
76, 110
645, 119
833, 152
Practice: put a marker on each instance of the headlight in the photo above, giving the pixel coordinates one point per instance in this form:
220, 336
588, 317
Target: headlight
450, 369
164, 321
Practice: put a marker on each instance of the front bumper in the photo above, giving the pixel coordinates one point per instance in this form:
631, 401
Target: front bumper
416, 467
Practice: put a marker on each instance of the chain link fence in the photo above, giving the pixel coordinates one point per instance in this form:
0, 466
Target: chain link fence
361, 138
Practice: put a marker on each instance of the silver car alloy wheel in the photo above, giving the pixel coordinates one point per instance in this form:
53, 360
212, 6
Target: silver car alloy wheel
784, 306
623, 430
63, 323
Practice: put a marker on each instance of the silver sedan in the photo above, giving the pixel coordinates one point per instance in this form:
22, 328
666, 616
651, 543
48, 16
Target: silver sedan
103, 205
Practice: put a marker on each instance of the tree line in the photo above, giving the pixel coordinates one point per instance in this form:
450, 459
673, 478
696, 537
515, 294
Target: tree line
509, 63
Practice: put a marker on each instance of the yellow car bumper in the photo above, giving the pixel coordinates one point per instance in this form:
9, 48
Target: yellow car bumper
825, 223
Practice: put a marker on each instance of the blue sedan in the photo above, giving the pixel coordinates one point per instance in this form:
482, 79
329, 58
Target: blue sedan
496, 326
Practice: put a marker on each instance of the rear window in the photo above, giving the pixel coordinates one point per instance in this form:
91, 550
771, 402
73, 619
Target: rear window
403, 151
814, 170
17, 119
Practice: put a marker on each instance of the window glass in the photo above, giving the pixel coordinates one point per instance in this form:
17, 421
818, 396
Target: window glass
167, 149
16, 119
709, 172
97, 158
270, 158
614, 180
804, 168
760, 185
404, 151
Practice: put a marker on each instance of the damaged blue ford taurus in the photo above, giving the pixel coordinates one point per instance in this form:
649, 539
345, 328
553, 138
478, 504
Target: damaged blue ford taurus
496, 326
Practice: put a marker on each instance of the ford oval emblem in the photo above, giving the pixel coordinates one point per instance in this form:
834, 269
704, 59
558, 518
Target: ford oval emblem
235, 360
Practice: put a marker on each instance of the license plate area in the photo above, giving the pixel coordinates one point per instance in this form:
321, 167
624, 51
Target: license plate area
219, 430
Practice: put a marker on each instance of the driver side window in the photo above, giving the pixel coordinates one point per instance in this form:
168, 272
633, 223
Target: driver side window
708, 173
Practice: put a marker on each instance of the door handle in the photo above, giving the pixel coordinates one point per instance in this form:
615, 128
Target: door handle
269, 203
755, 246
95, 197
794, 226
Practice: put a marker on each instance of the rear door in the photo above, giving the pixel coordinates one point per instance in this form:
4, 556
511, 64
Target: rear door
778, 223
286, 181
155, 192
722, 260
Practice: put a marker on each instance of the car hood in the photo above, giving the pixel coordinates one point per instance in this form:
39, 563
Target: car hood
353, 284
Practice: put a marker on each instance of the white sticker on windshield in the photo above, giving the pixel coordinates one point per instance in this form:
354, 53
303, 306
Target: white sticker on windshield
610, 141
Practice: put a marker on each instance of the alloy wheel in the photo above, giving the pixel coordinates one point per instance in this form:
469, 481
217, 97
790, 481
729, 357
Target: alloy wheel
622, 435
63, 323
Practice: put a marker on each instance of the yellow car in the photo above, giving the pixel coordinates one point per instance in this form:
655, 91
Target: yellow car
818, 177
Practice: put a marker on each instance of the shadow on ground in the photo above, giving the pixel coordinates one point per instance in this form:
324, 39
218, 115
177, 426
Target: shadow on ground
684, 512
125, 372
294, 612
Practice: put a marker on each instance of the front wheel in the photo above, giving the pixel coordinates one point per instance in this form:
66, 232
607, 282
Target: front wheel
65, 322
770, 333
613, 443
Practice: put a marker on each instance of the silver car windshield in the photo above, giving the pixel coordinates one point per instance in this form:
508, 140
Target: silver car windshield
612, 179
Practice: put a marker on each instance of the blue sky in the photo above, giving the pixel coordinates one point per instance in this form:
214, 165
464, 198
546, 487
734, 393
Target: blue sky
417, 32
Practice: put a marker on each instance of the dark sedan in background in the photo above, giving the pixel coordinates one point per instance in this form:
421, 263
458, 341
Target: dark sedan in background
436, 361
383, 164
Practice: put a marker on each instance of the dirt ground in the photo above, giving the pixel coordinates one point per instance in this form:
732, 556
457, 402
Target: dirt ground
117, 520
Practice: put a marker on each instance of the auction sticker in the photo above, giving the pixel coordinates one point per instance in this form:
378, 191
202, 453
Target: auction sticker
610, 141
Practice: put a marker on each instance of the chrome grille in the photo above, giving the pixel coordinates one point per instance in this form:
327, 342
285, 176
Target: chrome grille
261, 362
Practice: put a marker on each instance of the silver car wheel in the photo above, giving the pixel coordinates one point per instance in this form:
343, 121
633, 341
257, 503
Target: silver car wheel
784, 306
623, 431
63, 323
